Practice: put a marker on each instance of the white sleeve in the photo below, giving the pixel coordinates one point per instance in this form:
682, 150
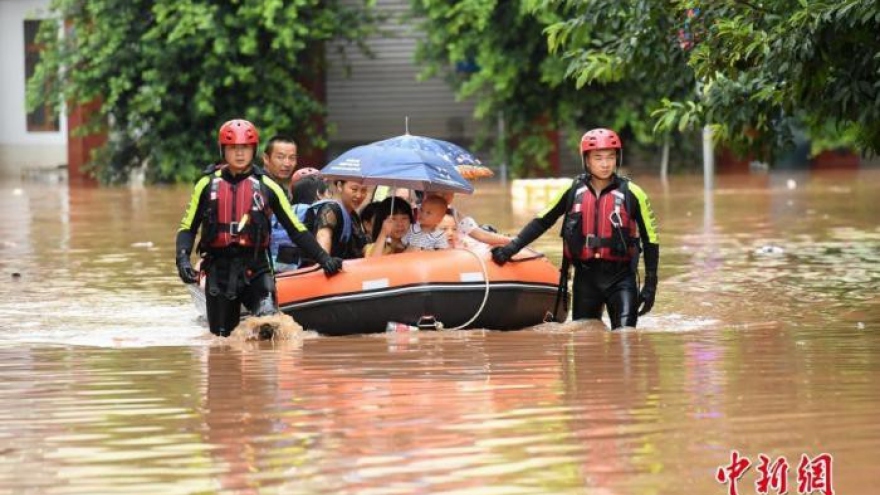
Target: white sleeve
466, 225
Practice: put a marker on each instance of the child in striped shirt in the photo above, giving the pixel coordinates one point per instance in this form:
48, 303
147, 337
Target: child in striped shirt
424, 235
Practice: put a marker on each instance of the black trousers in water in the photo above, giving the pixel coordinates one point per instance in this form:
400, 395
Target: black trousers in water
608, 284
233, 282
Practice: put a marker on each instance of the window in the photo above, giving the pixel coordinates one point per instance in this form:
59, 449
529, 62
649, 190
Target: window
40, 120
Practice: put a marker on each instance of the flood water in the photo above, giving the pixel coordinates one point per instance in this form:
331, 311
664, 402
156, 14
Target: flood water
765, 339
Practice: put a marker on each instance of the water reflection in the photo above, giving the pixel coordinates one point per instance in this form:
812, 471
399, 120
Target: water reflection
112, 385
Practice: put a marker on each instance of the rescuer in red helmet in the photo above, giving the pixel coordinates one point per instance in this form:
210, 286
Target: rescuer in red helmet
232, 203
608, 222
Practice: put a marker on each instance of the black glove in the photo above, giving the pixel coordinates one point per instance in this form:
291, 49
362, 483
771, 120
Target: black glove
529, 233
502, 254
331, 265
309, 245
649, 291
185, 269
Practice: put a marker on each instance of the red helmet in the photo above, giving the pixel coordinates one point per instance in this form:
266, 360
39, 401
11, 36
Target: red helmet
238, 131
299, 174
600, 139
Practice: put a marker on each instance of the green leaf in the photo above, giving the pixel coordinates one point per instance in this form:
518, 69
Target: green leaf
168, 72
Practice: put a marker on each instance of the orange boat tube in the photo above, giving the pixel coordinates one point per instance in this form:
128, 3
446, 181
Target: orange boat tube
456, 288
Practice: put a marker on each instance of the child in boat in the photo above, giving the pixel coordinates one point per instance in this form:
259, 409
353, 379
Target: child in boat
453, 235
424, 234
306, 190
368, 216
391, 224
450, 230
468, 228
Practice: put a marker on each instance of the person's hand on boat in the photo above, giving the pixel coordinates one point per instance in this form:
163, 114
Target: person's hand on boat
309, 245
529, 233
331, 265
185, 269
502, 254
649, 291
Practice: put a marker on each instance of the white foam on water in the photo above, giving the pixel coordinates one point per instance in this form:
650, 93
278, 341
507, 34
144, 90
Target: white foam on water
112, 321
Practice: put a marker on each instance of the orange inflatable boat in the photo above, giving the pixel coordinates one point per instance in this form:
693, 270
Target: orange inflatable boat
454, 288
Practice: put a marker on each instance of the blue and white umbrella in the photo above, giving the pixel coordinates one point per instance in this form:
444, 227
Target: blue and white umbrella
413, 162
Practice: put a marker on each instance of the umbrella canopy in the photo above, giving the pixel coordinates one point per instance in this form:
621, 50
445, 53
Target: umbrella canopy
413, 162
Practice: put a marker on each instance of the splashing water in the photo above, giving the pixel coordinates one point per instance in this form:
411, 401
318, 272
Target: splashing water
272, 327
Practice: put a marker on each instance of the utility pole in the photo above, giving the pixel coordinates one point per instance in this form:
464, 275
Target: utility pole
502, 146
708, 159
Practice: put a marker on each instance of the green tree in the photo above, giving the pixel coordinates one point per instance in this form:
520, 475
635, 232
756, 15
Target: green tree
492, 51
769, 67
630, 52
502, 63
167, 73
524, 53
766, 68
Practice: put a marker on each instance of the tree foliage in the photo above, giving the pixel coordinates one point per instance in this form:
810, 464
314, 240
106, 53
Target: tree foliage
494, 52
167, 73
766, 68
630, 50
519, 49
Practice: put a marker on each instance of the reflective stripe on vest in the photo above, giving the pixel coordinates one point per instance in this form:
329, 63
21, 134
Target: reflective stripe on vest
238, 210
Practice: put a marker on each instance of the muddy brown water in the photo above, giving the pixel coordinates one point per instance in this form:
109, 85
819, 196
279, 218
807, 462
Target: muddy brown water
765, 339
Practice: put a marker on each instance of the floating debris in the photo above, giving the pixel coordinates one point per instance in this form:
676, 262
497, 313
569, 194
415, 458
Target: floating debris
147, 244
769, 250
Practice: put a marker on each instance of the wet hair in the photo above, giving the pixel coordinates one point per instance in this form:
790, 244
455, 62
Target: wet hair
307, 189
368, 213
384, 210
278, 138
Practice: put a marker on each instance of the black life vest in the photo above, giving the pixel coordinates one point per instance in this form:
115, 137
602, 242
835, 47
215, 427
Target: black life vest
237, 214
600, 228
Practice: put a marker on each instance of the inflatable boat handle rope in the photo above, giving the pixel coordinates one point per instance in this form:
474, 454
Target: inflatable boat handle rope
485, 293
486, 290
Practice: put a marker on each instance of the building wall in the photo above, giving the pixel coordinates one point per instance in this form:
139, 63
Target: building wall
372, 101
19, 149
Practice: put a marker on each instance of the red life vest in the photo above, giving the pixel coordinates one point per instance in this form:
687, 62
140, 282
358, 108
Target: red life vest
238, 213
600, 228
